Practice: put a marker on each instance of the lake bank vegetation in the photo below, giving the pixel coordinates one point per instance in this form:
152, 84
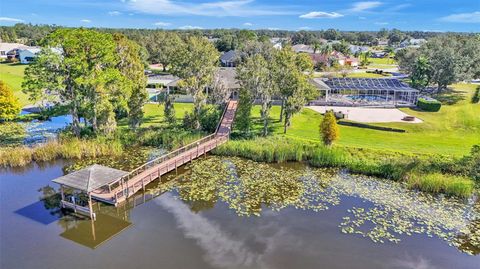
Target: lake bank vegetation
431, 173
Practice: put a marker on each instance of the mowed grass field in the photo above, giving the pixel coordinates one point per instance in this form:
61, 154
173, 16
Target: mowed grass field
12, 74
451, 131
154, 115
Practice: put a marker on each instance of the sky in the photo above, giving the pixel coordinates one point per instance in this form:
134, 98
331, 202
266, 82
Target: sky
421, 15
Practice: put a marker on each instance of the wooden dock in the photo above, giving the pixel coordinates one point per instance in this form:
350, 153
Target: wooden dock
137, 179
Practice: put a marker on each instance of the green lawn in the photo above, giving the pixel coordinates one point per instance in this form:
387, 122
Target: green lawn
451, 131
154, 114
365, 75
12, 74
382, 61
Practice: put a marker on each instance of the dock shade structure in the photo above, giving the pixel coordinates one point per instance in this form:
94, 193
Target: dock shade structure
382, 92
92, 179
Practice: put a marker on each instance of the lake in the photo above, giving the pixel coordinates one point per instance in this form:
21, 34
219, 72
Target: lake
232, 213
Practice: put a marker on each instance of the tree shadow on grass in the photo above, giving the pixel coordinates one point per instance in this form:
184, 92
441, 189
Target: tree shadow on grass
450, 96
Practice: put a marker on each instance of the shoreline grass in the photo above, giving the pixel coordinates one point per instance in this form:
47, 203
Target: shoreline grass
423, 173
70, 148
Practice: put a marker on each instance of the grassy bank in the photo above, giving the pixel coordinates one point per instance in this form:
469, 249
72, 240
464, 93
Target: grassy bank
451, 131
434, 174
12, 74
69, 148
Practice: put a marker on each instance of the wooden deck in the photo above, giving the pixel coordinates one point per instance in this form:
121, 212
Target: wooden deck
138, 178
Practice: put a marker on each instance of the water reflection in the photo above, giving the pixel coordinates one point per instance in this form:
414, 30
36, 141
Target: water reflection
248, 187
222, 250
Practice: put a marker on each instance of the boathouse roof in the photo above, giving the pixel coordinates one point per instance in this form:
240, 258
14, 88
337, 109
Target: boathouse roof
90, 178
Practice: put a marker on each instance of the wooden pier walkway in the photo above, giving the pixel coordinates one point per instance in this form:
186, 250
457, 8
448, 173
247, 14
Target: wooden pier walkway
118, 191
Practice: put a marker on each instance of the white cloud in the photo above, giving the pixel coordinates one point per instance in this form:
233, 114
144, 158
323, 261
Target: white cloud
305, 28
86, 21
363, 6
248, 24
399, 7
162, 24
7, 19
473, 17
114, 13
238, 8
190, 27
362, 18
381, 23
321, 14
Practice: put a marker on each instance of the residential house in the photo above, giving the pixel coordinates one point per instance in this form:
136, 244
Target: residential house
5, 48
412, 42
354, 49
326, 59
28, 54
229, 59
303, 48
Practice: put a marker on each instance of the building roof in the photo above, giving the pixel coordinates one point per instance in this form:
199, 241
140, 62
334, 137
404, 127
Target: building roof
90, 178
228, 56
10, 46
302, 48
166, 80
228, 76
367, 84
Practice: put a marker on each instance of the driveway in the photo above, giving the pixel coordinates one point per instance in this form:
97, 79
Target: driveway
368, 115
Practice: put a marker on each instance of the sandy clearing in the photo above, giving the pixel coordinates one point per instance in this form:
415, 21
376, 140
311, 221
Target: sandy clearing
368, 115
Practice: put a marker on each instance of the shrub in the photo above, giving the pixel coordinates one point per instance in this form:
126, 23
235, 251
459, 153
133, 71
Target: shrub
329, 129
9, 105
209, 117
429, 105
476, 96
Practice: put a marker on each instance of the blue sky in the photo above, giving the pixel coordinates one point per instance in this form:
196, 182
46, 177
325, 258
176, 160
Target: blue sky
422, 15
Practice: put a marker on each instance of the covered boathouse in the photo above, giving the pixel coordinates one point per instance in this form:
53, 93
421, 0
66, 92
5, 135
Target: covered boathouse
77, 188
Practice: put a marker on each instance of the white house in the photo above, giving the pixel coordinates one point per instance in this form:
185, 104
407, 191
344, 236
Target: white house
6, 47
27, 55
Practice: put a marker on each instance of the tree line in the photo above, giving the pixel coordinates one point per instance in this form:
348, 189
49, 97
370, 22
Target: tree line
441, 61
228, 38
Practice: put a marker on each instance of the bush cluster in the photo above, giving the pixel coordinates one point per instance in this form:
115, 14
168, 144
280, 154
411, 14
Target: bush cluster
429, 105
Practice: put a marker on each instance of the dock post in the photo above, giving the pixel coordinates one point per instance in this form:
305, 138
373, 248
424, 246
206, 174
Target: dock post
63, 195
90, 208
176, 169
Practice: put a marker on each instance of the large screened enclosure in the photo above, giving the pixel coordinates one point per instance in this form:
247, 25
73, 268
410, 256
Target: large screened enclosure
384, 92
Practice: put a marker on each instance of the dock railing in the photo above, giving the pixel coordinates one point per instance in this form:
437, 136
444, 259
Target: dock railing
179, 151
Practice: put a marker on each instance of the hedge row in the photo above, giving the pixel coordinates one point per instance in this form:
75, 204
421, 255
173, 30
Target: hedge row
368, 126
429, 105
476, 96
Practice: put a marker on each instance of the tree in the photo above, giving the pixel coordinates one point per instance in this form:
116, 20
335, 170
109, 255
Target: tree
243, 119
131, 67
291, 76
169, 110
329, 131
342, 47
161, 47
90, 74
331, 34
9, 105
43, 78
303, 37
254, 75
421, 74
195, 62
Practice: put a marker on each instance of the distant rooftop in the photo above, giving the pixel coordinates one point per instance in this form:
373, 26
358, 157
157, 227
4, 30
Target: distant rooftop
90, 178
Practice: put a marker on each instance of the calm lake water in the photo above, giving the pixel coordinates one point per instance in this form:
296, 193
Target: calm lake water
232, 213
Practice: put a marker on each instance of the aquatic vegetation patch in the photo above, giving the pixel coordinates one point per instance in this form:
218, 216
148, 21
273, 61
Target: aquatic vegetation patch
247, 188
